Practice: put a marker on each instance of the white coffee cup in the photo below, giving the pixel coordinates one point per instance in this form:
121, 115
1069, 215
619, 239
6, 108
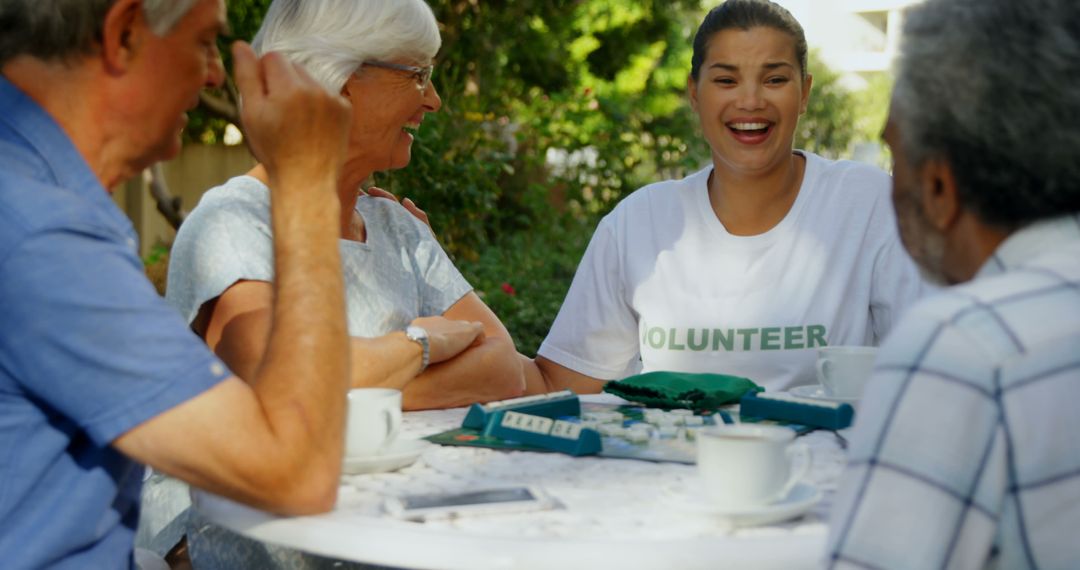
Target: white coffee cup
373, 422
844, 370
746, 466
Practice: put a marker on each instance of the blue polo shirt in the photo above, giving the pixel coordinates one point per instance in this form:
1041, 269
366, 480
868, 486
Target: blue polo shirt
88, 350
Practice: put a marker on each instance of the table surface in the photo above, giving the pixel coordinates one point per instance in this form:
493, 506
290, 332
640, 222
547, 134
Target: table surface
616, 513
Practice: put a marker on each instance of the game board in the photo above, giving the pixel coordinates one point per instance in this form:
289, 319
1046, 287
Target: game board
666, 438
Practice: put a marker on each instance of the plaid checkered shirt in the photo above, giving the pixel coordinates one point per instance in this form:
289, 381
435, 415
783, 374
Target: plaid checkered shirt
966, 451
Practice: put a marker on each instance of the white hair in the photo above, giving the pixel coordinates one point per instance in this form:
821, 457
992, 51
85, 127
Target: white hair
162, 15
331, 38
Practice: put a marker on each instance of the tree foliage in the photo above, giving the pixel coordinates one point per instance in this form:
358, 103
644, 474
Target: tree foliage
218, 106
829, 125
553, 111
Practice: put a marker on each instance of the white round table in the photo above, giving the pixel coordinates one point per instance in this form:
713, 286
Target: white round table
616, 513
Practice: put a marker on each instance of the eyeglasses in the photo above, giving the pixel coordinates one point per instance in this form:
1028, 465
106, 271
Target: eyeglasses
422, 75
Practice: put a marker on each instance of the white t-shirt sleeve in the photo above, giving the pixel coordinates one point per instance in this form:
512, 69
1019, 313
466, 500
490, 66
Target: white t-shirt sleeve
595, 332
224, 240
896, 284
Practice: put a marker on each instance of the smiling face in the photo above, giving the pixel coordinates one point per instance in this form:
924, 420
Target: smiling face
387, 105
748, 96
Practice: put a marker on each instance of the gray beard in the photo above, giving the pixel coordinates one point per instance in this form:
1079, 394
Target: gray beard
932, 276
932, 255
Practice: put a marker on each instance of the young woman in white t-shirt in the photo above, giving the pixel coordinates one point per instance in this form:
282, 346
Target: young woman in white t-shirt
749, 265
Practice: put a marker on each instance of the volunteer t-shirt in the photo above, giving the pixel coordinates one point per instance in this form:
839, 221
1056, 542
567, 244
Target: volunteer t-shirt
663, 280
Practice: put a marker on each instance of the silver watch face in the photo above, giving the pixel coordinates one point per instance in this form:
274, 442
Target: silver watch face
416, 333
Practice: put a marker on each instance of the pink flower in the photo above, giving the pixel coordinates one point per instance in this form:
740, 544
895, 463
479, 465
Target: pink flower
508, 289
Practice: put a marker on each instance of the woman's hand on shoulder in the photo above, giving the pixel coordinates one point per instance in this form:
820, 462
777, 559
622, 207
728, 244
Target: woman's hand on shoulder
408, 204
275, 92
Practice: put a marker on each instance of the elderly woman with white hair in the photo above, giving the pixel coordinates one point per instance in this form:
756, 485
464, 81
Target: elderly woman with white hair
378, 55
398, 281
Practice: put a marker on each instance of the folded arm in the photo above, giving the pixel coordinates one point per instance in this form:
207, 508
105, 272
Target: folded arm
540, 375
488, 371
237, 324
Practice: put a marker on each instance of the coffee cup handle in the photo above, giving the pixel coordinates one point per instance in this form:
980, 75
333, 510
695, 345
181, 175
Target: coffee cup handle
393, 425
822, 365
798, 449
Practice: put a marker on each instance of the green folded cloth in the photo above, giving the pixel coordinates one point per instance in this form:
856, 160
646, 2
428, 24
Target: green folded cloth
668, 390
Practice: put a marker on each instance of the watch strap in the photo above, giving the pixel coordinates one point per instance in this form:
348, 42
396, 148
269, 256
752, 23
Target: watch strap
420, 336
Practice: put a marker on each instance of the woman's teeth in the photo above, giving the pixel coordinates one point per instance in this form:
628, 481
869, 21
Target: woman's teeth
749, 126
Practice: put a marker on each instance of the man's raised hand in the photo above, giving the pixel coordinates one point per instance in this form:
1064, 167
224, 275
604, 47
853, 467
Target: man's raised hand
295, 128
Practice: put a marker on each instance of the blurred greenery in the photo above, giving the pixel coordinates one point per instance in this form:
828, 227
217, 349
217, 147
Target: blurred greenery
244, 19
553, 111
872, 104
829, 125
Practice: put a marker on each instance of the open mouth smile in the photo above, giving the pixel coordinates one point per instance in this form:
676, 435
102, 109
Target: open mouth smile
413, 125
750, 132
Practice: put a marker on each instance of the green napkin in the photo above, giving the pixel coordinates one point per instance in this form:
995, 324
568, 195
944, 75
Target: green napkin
669, 390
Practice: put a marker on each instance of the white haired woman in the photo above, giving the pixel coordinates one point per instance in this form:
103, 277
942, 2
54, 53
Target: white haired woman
377, 54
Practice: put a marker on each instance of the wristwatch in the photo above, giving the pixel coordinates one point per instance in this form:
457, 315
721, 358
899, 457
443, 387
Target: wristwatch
420, 336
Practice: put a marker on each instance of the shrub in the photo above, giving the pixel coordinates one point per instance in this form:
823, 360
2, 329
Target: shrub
525, 276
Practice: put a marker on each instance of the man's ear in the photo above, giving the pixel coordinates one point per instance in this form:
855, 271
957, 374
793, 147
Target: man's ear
940, 194
121, 35
691, 92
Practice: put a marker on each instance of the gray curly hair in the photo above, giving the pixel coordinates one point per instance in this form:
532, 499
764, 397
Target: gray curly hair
62, 29
993, 87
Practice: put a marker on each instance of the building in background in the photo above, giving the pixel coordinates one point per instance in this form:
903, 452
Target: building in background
858, 38
197, 169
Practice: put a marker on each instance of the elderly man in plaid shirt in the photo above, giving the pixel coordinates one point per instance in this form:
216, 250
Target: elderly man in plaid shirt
967, 447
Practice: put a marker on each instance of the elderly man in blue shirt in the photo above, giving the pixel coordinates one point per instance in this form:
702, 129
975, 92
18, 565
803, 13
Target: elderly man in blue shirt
965, 452
97, 374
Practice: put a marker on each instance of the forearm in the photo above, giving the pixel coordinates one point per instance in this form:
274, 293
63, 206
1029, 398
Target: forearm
388, 361
543, 376
303, 375
535, 381
483, 373
276, 443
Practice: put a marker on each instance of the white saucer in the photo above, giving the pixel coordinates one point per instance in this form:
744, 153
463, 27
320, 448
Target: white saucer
817, 392
401, 453
688, 496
